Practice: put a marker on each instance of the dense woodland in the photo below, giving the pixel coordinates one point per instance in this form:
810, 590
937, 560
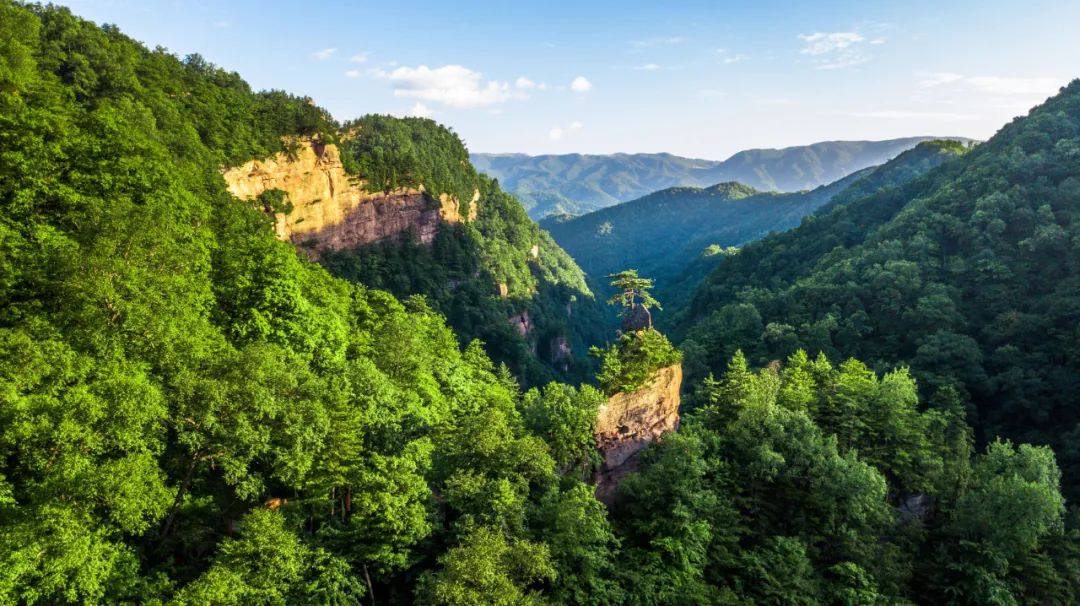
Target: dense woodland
968, 274
193, 413
686, 228
461, 272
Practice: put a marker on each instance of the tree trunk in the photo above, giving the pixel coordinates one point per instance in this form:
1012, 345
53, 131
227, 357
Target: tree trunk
184, 485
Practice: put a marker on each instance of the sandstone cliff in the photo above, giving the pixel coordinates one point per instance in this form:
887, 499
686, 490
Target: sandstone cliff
631, 421
331, 209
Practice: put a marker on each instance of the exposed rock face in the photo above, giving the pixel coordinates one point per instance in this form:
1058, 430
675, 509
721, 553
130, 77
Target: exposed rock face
332, 210
559, 352
631, 421
639, 318
916, 506
522, 322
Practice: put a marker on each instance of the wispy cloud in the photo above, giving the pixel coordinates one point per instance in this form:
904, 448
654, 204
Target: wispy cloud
581, 85
450, 85
222, 24
323, 54
728, 59
834, 50
648, 67
353, 73
523, 83
821, 43
559, 132
359, 58
898, 114
991, 85
656, 41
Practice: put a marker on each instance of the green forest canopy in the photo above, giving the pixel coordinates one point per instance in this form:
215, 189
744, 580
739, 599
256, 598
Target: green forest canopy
192, 413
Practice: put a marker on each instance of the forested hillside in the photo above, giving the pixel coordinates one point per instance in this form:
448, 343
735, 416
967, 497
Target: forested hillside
192, 411
577, 184
678, 234
480, 274
968, 274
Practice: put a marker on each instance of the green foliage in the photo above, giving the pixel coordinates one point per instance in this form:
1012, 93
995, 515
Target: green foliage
575, 184
790, 484
663, 234
486, 568
192, 413
459, 274
275, 201
189, 411
966, 274
628, 364
391, 153
629, 288
566, 418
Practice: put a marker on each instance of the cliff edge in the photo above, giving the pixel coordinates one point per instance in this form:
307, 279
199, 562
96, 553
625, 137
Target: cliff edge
631, 421
332, 210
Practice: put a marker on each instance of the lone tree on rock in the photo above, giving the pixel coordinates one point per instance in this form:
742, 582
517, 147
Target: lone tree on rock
635, 299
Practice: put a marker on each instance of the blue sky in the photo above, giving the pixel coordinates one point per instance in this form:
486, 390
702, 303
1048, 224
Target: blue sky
701, 79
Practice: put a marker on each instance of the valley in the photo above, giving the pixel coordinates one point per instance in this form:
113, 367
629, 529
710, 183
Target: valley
256, 352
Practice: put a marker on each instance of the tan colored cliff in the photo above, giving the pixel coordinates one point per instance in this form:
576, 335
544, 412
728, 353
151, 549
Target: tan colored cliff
331, 209
631, 421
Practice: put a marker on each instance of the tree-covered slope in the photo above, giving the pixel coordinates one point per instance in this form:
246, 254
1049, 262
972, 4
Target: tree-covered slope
486, 273
967, 274
191, 412
679, 234
577, 184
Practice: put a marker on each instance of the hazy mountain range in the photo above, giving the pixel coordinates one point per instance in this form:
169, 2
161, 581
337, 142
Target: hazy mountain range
577, 184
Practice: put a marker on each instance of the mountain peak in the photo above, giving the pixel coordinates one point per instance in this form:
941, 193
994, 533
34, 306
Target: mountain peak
733, 190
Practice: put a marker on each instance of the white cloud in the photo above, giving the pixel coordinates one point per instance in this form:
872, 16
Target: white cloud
419, 111
524, 83
580, 85
353, 73
992, 85
820, 43
896, 114
450, 85
932, 79
359, 58
559, 132
657, 41
324, 54
648, 67
835, 50
878, 41
728, 58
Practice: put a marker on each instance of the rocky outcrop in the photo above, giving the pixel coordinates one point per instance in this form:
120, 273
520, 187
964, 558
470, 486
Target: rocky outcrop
332, 210
522, 322
639, 318
631, 421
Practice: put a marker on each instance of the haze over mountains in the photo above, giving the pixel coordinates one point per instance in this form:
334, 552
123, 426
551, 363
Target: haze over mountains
678, 234
576, 183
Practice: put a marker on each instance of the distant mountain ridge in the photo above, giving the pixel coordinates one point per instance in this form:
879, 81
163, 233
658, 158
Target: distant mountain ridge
580, 183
